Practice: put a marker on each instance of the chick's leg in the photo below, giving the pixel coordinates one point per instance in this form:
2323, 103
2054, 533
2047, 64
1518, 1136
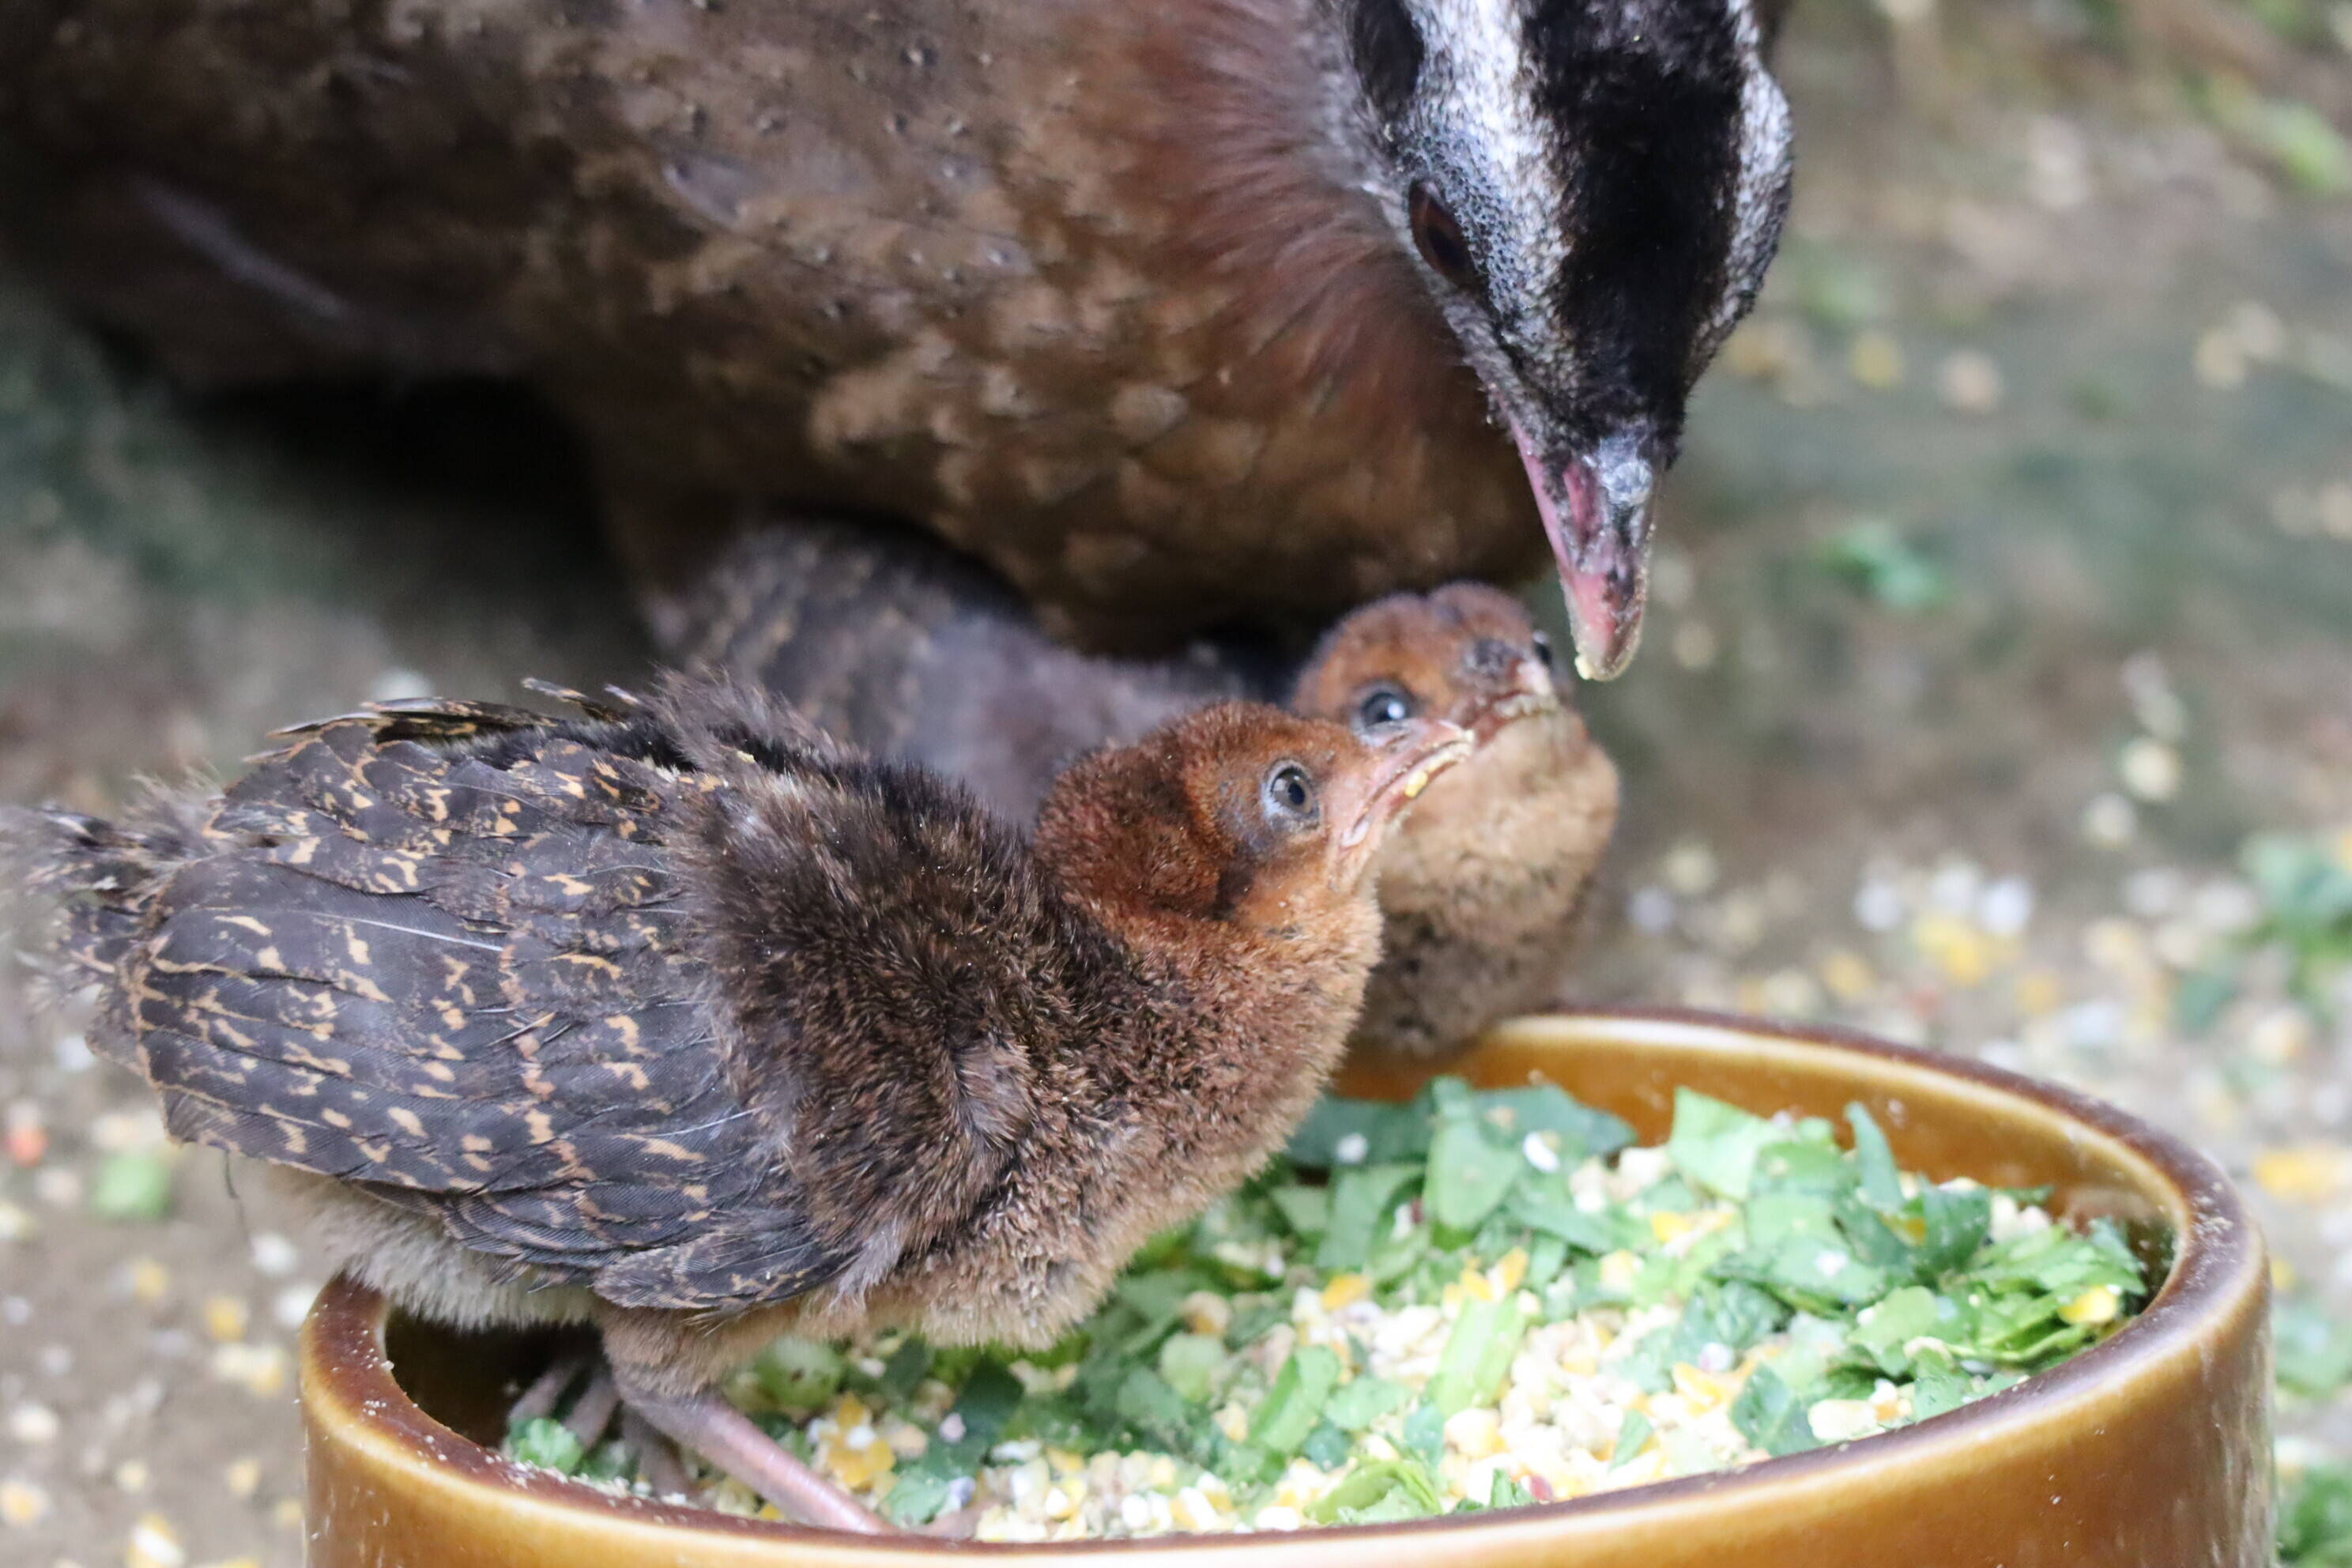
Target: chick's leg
548, 1389
729, 1439
657, 1458
592, 1413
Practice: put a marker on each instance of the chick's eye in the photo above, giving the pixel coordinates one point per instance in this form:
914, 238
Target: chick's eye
1384, 705
1439, 236
1543, 649
1289, 794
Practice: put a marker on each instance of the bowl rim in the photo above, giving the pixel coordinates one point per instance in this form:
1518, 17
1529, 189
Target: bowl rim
2218, 1266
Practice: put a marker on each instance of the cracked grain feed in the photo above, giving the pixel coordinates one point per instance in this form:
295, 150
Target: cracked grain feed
1482, 1300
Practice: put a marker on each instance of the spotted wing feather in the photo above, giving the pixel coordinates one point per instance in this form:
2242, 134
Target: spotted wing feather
439, 950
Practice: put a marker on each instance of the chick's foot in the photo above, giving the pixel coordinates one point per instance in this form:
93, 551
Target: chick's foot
658, 1457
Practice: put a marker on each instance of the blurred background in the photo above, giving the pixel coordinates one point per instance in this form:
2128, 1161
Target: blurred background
1998, 692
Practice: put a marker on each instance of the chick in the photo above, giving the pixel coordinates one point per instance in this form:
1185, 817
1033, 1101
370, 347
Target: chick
907, 648
1482, 887
682, 1021
911, 650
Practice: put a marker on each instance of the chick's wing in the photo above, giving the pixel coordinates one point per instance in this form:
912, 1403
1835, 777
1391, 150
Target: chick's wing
440, 951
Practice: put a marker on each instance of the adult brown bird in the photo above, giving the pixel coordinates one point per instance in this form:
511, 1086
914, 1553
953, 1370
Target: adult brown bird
1177, 313
904, 648
688, 1024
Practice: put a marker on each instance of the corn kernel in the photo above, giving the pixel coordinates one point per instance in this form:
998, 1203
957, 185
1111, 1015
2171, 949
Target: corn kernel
1475, 1434
858, 1468
1847, 976
1702, 1391
155, 1544
22, 1504
2303, 1173
1668, 1226
2038, 993
1345, 1289
1619, 1270
2098, 1305
226, 1318
1206, 1312
1511, 1269
150, 1281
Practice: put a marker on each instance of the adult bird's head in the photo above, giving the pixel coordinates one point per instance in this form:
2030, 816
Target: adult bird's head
1591, 190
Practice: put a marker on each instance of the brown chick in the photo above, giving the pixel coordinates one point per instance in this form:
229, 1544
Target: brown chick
908, 649
682, 1021
1483, 886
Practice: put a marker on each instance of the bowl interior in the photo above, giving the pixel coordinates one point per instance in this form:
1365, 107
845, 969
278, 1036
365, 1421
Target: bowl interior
1945, 1119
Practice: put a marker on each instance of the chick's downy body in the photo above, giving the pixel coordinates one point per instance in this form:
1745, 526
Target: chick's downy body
688, 1022
908, 650
1483, 889
1173, 311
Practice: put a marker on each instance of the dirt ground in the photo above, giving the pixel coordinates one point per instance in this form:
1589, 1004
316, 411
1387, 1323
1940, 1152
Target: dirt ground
1999, 692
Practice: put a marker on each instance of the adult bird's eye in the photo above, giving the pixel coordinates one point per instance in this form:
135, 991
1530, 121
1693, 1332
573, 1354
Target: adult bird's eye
1543, 649
1289, 794
1384, 705
1439, 239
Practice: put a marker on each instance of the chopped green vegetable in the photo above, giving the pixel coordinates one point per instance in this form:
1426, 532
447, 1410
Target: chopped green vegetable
1717, 1145
1485, 1339
1469, 1175
1361, 1202
547, 1443
1355, 1406
1769, 1415
2313, 1349
1424, 1432
916, 1499
2315, 1519
1353, 1499
1296, 1401
906, 1368
1632, 1438
1191, 1363
799, 1374
1882, 1183
1307, 1346
132, 1187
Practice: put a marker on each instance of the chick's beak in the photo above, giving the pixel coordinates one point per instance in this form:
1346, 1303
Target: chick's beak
1397, 773
1525, 692
1596, 510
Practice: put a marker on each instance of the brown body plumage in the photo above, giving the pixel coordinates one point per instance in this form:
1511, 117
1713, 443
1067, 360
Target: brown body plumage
1141, 301
686, 1023
913, 652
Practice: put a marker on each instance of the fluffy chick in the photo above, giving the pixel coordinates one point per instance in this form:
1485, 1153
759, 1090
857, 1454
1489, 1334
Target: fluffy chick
911, 650
682, 1021
1482, 887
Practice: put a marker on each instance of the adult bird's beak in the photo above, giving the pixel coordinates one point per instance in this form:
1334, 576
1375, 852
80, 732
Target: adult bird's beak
1596, 509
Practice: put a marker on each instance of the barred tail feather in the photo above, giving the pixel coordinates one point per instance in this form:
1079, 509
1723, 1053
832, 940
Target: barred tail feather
93, 881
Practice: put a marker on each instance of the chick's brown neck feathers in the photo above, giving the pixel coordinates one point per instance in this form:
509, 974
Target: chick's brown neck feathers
684, 1022
909, 648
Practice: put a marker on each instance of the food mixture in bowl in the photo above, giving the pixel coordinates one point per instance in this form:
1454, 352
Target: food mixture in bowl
1481, 1299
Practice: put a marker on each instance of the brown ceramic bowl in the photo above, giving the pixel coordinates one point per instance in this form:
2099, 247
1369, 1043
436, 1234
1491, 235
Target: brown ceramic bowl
2151, 1450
